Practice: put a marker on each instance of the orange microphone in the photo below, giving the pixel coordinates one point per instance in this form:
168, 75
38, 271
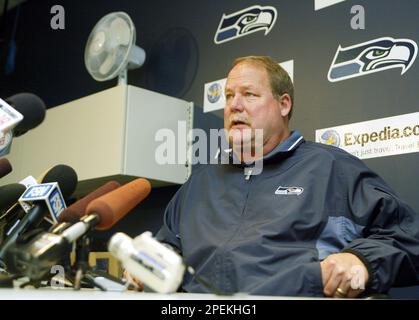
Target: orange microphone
74, 212
114, 205
104, 212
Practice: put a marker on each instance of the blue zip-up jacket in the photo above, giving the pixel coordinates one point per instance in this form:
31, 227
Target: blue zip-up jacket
266, 235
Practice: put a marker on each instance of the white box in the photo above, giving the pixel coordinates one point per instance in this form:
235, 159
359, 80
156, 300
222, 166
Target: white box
110, 134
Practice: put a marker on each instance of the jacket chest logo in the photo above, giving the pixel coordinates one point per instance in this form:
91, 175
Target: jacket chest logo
289, 191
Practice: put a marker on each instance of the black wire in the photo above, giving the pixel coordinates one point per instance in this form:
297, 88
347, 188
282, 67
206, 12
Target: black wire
206, 284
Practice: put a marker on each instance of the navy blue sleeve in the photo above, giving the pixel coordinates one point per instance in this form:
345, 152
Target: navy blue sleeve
390, 247
169, 232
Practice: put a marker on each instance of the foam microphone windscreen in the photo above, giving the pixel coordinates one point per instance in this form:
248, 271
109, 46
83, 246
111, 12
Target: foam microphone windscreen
74, 212
5, 167
114, 205
65, 176
31, 107
9, 194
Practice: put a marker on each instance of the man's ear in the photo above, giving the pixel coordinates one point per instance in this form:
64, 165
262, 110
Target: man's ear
285, 104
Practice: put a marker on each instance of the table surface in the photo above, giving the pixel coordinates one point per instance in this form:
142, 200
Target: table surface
116, 291
93, 294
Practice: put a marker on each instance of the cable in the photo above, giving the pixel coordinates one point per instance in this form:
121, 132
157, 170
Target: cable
206, 284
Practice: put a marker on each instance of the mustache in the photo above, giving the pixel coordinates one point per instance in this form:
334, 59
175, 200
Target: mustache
238, 118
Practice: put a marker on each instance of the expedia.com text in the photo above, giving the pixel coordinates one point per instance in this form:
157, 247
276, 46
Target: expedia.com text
387, 133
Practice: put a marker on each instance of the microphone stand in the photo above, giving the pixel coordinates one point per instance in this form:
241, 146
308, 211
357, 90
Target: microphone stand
81, 265
88, 276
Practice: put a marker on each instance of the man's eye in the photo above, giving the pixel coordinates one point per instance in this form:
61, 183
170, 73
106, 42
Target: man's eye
250, 94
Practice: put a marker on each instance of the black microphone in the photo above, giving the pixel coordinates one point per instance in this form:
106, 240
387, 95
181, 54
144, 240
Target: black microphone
31, 107
66, 178
67, 181
9, 194
64, 175
35, 256
33, 110
5, 167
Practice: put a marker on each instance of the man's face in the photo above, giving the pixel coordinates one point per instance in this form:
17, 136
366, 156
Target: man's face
251, 105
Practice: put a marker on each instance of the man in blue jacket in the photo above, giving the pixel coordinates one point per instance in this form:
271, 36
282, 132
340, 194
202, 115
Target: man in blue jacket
314, 222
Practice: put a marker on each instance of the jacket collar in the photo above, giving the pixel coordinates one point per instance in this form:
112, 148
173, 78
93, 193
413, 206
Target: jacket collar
280, 151
286, 147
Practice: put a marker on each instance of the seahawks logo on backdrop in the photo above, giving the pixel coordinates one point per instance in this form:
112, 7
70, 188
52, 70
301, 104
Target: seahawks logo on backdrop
241, 23
372, 56
289, 191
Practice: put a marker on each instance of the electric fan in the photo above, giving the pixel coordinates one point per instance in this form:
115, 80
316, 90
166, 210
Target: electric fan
111, 49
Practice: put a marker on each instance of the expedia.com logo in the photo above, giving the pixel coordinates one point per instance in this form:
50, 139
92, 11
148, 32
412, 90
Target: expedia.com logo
214, 92
241, 23
330, 137
372, 56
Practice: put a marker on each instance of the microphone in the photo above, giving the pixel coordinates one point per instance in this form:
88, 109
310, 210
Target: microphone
66, 178
72, 214
156, 265
9, 117
48, 195
67, 181
35, 258
63, 174
78, 209
31, 107
9, 194
5, 167
30, 112
105, 211
60, 245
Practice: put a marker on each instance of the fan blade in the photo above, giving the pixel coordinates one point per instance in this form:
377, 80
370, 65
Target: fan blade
120, 31
98, 43
108, 63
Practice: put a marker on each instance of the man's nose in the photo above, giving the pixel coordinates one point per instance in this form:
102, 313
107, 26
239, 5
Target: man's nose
237, 103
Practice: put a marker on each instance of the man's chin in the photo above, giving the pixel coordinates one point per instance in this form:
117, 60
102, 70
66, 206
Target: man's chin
239, 141
241, 132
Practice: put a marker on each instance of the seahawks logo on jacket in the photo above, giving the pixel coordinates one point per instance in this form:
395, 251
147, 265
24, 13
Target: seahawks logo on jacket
244, 22
372, 56
289, 190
